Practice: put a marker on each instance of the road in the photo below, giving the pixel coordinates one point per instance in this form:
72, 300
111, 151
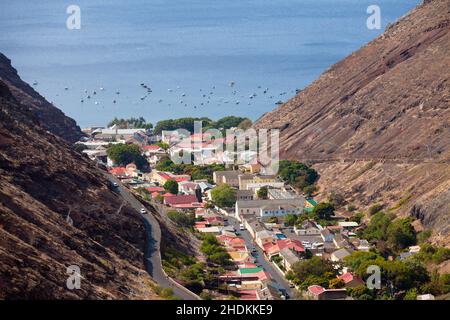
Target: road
276, 275
152, 253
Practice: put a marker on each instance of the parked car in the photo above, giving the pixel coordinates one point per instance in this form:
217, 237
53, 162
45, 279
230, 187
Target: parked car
241, 226
143, 211
284, 294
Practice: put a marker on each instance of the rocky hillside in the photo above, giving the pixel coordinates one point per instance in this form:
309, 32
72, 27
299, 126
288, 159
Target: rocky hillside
56, 211
377, 124
48, 115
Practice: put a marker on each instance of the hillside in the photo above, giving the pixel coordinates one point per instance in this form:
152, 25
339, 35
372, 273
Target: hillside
376, 125
48, 115
56, 210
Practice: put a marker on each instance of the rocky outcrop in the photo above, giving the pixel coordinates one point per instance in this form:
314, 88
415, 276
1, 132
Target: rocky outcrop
50, 117
56, 211
379, 120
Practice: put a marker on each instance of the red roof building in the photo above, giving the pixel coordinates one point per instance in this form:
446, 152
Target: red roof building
351, 280
183, 201
274, 248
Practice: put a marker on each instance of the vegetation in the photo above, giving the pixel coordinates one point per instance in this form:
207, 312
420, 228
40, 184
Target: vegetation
309, 190
182, 219
188, 123
375, 209
123, 154
196, 172
171, 186
262, 192
298, 174
323, 211
215, 252
163, 145
224, 196
396, 233
432, 254
137, 123
336, 199
312, 271
399, 278
290, 219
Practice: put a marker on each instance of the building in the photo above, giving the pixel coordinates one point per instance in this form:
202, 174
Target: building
184, 201
268, 292
250, 168
162, 177
245, 195
307, 228
340, 254
289, 258
319, 293
188, 187
278, 210
247, 181
273, 193
152, 149
229, 177
327, 235
264, 237
350, 280
253, 207
274, 248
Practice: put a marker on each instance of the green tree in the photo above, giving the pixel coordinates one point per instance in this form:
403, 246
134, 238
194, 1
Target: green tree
123, 154
224, 195
309, 190
290, 219
262, 192
323, 211
171, 186
401, 234
312, 271
375, 209
377, 228
297, 174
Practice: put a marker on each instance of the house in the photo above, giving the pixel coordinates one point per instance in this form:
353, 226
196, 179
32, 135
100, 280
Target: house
253, 225
310, 203
348, 225
289, 258
211, 230
183, 201
251, 181
340, 254
327, 235
245, 195
308, 227
162, 177
204, 186
340, 241
250, 168
274, 248
319, 293
350, 280
273, 193
278, 210
214, 220
159, 190
229, 177
263, 237
188, 187
152, 149
119, 172
360, 244
253, 207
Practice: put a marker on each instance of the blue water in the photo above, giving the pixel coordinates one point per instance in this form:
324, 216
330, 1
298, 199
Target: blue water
193, 47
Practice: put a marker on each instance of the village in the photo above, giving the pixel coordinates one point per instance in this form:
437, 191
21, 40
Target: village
265, 225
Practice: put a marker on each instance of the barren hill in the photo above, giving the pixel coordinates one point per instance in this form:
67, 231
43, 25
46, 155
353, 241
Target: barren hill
56, 211
377, 124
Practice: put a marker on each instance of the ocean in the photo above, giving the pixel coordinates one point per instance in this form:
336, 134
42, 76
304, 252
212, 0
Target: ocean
199, 57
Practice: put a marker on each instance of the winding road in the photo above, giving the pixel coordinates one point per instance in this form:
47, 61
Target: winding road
152, 253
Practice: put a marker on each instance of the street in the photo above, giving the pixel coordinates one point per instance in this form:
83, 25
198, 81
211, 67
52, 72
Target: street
276, 275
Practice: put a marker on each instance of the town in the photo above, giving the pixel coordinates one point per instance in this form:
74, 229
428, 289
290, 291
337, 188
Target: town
268, 236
